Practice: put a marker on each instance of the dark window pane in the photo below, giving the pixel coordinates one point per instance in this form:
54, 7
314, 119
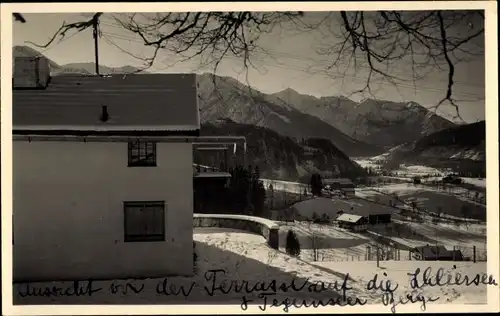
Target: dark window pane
142, 154
144, 221
134, 221
157, 221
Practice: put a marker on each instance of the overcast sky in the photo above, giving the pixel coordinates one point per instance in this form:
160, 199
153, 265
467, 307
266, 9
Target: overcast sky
292, 53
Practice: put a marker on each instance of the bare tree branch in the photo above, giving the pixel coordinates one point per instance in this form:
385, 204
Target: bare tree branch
429, 40
376, 41
19, 17
66, 27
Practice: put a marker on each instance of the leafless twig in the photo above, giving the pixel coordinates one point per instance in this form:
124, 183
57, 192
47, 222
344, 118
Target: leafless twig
380, 42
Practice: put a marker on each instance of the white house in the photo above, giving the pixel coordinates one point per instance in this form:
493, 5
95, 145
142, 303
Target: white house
103, 176
353, 222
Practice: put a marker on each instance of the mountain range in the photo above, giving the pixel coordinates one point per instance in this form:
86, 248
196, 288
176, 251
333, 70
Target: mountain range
378, 122
359, 129
367, 128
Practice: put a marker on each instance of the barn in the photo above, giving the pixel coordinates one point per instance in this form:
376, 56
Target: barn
436, 253
342, 184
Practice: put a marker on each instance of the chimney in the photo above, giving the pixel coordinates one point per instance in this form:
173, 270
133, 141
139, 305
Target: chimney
31, 72
104, 114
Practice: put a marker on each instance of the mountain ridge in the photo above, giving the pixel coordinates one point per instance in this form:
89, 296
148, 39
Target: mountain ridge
282, 158
377, 122
366, 128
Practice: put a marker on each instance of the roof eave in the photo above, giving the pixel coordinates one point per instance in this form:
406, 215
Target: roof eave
121, 132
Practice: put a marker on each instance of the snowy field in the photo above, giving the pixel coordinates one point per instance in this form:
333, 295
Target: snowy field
451, 204
475, 181
246, 257
409, 171
412, 234
336, 244
331, 206
417, 170
368, 162
286, 186
331, 243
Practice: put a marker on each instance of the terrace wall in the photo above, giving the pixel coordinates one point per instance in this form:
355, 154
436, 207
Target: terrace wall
264, 227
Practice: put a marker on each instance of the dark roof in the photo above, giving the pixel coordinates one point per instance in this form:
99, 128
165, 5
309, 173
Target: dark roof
342, 182
338, 180
137, 102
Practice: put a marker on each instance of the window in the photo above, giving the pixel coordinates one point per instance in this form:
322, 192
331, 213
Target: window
141, 154
144, 221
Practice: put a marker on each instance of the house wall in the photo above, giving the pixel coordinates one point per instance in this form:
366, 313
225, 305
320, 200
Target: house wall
69, 217
360, 227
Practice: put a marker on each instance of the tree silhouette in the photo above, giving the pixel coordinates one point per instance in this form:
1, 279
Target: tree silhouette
425, 40
316, 184
292, 244
376, 40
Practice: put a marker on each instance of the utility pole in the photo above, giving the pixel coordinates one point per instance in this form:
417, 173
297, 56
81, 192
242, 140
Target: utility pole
95, 26
378, 256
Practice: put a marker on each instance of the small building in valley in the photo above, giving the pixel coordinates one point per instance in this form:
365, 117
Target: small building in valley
379, 218
352, 222
436, 253
341, 184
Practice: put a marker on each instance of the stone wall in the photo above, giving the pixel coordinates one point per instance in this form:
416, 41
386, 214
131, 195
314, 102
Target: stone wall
257, 225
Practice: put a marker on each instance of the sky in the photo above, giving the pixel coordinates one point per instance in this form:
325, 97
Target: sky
293, 60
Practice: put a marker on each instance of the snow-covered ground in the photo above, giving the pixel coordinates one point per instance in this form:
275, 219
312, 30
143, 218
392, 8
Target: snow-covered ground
367, 162
412, 234
418, 170
428, 198
393, 188
475, 181
410, 171
246, 258
332, 243
286, 186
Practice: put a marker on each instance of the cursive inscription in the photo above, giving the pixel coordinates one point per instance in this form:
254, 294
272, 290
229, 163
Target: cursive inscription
77, 288
267, 294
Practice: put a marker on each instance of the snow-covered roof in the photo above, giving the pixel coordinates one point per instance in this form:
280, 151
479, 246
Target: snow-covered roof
351, 218
260, 220
138, 102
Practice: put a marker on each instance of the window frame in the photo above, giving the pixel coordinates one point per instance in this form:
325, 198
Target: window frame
127, 237
141, 158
